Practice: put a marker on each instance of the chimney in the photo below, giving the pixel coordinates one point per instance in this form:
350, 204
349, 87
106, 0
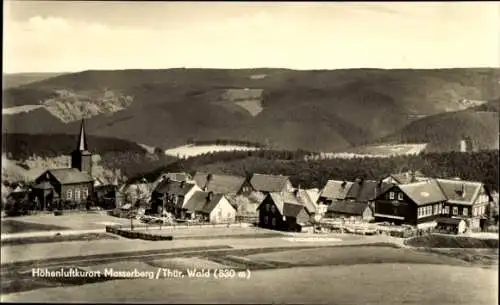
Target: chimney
210, 196
182, 184
344, 183
209, 178
462, 190
296, 193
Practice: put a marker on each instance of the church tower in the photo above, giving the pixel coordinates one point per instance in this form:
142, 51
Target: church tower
81, 158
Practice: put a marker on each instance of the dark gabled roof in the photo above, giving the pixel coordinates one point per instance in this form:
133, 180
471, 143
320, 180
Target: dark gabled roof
335, 189
69, 175
452, 189
348, 208
269, 183
173, 187
366, 190
200, 202
424, 192
292, 210
219, 184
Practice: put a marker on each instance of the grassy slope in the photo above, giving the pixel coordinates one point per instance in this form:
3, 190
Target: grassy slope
317, 110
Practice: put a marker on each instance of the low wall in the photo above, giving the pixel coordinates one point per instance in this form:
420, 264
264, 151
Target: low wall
136, 235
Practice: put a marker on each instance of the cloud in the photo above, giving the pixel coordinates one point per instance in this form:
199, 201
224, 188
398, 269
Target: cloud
297, 36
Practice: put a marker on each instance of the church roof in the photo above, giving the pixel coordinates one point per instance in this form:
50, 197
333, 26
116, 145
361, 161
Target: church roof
82, 139
69, 175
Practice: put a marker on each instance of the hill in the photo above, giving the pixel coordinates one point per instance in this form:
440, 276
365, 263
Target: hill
480, 127
283, 109
27, 155
11, 80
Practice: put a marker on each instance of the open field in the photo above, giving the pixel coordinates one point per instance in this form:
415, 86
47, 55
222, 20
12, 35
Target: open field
57, 238
15, 226
195, 150
358, 284
11, 254
77, 221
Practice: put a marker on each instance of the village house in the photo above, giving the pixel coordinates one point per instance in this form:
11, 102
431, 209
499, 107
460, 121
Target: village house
171, 196
334, 191
467, 200
219, 184
405, 177
354, 211
417, 204
209, 207
266, 184
284, 211
104, 196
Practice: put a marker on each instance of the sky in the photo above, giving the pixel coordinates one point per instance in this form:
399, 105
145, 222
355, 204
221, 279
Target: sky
74, 36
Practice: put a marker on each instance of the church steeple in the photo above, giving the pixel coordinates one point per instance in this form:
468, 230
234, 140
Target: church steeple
81, 158
82, 139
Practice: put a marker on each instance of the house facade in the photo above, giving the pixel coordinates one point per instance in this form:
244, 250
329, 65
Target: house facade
283, 212
209, 207
467, 200
417, 204
171, 196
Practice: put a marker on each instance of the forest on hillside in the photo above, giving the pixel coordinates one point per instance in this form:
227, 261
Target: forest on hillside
476, 166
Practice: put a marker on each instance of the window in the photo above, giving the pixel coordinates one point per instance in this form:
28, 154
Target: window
446, 209
419, 212
465, 211
265, 220
400, 196
85, 193
455, 211
273, 208
273, 221
268, 206
440, 208
474, 211
435, 209
69, 194
391, 195
77, 194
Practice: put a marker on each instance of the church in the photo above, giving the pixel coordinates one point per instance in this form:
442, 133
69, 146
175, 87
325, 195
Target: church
66, 187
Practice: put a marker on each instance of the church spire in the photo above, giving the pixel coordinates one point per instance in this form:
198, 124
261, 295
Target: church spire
82, 139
